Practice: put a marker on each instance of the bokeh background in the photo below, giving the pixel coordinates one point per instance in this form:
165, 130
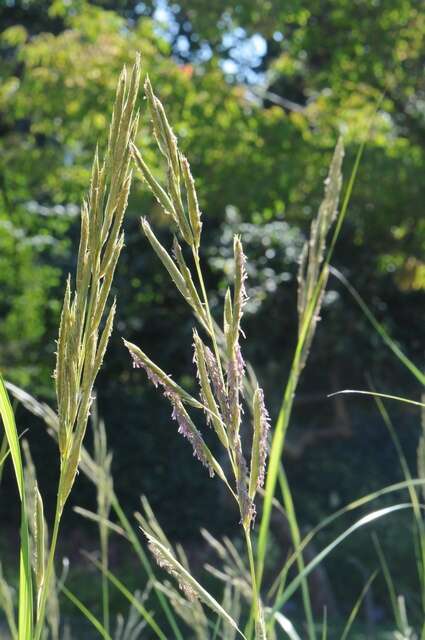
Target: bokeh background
258, 93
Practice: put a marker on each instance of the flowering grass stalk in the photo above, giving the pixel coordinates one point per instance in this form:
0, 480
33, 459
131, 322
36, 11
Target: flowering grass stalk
312, 278
82, 343
24, 628
220, 367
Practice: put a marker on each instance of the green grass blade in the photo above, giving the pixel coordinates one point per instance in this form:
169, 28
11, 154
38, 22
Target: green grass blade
414, 498
325, 624
379, 328
4, 452
296, 539
388, 580
286, 625
118, 584
25, 605
375, 394
365, 520
355, 609
12, 437
86, 613
356, 504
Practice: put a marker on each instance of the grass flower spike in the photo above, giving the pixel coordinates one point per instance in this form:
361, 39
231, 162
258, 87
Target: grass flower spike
220, 367
82, 341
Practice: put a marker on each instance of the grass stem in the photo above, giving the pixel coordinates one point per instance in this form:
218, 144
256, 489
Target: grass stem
197, 262
41, 613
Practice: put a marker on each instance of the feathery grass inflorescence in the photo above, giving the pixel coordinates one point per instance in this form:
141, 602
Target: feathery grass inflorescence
220, 393
218, 359
220, 367
312, 279
82, 341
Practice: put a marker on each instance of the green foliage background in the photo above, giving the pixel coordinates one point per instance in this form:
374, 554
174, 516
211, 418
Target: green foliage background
258, 97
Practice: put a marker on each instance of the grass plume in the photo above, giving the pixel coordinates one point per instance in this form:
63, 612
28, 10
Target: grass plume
82, 341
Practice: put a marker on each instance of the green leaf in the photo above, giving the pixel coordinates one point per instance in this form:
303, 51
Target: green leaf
365, 520
25, 624
285, 624
86, 613
130, 597
379, 328
377, 395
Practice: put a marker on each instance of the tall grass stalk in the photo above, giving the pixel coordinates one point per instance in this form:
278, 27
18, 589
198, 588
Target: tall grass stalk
81, 343
221, 369
25, 605
279, 431
312, 278
308, 320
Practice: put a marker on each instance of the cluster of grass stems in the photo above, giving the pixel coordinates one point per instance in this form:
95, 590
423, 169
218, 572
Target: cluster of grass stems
254, 476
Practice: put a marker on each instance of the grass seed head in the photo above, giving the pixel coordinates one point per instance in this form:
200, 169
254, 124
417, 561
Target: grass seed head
192, 202
260, 444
